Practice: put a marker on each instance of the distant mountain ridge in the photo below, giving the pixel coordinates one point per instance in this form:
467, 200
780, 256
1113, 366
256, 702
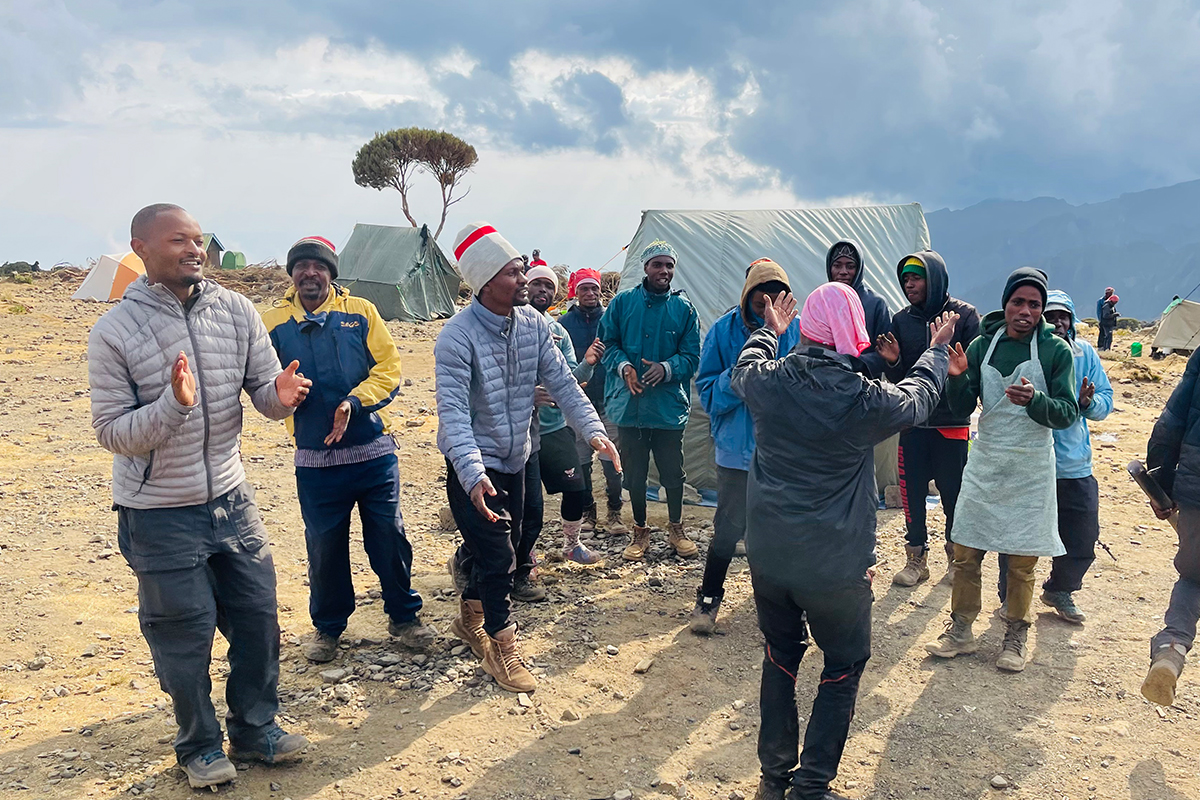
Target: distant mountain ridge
1145, 244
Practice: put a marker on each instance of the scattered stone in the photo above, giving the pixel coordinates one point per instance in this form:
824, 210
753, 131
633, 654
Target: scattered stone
136, 684
643, 666
570, 716
999, 782
334, 675
90, 652
414, 422
458, 650
102, 636
622, 794
275, 787
38, 663
574, 751
446, 519
738, 705
419, 659
344, 692
736, 795
612, 650
523, 700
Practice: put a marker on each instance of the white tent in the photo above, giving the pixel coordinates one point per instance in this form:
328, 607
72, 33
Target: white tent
1180, 327
110, 277
716, 247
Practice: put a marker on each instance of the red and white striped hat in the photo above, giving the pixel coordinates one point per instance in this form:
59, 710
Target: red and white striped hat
481, 252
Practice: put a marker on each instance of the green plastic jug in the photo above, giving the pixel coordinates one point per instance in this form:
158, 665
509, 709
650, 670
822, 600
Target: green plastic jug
1135, 349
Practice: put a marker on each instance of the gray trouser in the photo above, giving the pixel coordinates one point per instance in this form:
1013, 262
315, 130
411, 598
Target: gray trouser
201, 568
1184, 609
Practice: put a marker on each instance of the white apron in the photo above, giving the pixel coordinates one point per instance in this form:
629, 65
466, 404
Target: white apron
1009, 499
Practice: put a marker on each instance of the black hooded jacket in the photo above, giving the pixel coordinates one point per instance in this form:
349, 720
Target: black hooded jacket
879, 316
910, 326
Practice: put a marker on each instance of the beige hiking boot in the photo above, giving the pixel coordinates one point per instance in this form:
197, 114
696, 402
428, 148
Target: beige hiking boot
502, 661
1165, 667
917, 568
1014, 652
613, 523
469, 625
956, 641
678, 538
636, 550
589, 518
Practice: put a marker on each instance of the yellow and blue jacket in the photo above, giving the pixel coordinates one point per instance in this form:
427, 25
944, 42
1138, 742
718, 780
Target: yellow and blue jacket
348, 353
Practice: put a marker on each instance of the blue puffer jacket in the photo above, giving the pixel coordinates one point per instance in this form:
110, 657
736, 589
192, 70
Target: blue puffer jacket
729, 421
640, 324
1073, 445
486, 368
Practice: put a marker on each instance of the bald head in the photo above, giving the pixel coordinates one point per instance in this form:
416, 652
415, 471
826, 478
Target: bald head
170, 244
144, 220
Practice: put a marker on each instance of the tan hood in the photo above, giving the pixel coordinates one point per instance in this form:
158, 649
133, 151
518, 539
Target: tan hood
762, 271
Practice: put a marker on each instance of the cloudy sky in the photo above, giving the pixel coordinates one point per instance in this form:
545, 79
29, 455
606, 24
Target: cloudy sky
249, 113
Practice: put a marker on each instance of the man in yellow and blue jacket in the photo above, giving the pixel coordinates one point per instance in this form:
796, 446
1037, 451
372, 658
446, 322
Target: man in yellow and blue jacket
345, 453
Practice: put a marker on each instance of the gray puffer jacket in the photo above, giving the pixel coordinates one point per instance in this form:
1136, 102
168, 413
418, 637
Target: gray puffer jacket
166, 454
487, 367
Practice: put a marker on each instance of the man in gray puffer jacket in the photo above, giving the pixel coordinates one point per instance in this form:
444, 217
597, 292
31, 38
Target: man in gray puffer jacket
488, 359
167, 368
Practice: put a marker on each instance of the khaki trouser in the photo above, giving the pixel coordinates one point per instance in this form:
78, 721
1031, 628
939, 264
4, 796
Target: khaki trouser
966, 595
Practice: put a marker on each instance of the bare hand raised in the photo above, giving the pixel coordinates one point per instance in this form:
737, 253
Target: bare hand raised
942, 329
654, 374
887, 346
1021, 393
779, 314
958, 361
183, 382
542, 398
341, 418
1086, 392
629, 374
594, 353
291, 386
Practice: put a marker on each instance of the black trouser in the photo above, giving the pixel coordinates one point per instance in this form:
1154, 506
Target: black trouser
840, 621
926, 455
636, 446
487, 554
1104, 340
532, 518
327, 499
729, 525
1079, 529
202, 568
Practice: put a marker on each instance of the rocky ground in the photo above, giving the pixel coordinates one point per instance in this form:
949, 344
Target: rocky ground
81, 714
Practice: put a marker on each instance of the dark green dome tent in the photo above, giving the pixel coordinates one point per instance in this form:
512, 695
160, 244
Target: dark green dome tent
401, 270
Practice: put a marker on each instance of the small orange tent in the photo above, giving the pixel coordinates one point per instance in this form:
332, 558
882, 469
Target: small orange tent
108, 280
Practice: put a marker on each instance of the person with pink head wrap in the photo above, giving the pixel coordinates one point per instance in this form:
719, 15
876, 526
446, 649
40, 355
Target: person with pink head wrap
810, 514
833, 315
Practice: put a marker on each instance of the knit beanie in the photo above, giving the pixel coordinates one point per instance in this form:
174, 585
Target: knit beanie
481, 253
544, 272
314, 247
659, 248
1025, 276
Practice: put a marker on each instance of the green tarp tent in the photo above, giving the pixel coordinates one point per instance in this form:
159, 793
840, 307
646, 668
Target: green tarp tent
401, 270
716, 247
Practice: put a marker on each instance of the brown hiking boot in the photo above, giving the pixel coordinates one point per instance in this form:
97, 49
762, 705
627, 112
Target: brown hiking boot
589, 518
636, 550
468, 626
917, 568
614, 524
502, 661
1013, 652
956, 641
320, 647
1165, 667
678, 538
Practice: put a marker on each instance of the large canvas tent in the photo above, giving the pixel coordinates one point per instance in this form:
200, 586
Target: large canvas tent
401, 270
716, 247
110, 277
1180, 328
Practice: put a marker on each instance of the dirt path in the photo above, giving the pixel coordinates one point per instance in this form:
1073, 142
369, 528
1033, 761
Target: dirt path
81, 714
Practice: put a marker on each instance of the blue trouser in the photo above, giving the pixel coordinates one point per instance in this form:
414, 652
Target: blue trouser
327, 498
202, 568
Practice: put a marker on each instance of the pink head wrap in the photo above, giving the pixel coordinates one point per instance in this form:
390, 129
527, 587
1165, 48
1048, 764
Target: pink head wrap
833, 315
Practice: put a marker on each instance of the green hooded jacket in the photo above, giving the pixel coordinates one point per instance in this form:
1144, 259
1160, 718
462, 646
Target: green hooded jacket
1058, 409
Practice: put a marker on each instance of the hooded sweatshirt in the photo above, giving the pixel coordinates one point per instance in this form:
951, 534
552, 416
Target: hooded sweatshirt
1073, 445
1057, 408
729, 422
879, 317
911, 328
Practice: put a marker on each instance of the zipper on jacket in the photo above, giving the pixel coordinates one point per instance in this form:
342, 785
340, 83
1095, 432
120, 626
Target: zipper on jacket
147, 472
203, 399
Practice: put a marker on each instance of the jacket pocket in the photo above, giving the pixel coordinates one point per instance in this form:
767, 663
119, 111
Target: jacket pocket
146, 467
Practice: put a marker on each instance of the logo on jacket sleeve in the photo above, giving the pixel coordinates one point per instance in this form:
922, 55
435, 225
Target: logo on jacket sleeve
350, 323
